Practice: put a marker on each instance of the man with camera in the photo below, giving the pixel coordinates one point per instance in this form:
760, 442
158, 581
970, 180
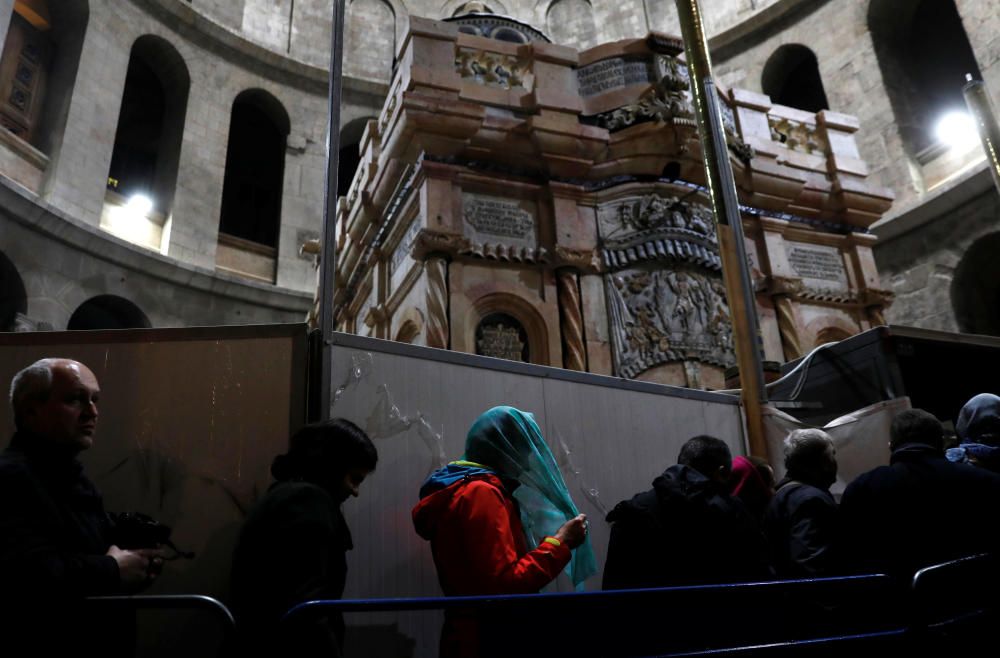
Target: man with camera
55, 537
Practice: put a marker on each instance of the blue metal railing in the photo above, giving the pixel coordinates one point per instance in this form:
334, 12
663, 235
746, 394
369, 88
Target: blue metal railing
744, 618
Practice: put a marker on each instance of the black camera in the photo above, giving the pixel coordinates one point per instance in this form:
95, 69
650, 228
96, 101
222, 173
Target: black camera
134, 530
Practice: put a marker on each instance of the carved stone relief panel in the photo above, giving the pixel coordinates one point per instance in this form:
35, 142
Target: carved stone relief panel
821, 267
501, 336
658, 316
491, 221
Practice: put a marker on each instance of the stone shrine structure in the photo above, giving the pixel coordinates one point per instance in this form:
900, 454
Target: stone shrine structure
531, 201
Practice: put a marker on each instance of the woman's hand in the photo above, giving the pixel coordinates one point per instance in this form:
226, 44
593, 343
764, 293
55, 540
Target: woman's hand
573, 532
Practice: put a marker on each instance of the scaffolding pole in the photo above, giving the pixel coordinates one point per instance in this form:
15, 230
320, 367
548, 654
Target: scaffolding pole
729, 224
328, 257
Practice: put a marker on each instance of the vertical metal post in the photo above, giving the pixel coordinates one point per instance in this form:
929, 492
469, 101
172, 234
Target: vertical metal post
729, 224
328, 258
977, 98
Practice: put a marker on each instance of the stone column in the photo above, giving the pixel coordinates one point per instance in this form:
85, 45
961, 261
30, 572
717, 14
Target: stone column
783, 291
571, 319
436, 269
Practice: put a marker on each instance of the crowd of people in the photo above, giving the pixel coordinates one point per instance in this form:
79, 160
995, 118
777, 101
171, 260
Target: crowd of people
500, 520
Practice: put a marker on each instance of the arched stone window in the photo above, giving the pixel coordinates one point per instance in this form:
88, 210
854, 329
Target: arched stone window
791, 77
350, 156
502, 336
150, 125
571, 23
108, 312
924, 54
370, 41
38, 69
13, 297
975, 290
255, 169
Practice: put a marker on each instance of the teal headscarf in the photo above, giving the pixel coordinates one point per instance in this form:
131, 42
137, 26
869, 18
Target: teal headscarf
509, 441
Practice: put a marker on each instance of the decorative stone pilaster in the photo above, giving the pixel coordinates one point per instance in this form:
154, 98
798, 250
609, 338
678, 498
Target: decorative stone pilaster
571, 319
782, 291
436, 269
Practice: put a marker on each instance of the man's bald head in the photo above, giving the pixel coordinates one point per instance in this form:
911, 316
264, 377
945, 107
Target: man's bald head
56, 400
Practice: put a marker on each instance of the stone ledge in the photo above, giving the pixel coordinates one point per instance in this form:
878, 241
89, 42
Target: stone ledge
936, 204
21, 206
743, 35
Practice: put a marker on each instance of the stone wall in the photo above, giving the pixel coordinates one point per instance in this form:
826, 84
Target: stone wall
64, 262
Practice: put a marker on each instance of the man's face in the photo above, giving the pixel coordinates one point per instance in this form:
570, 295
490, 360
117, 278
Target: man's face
68, 418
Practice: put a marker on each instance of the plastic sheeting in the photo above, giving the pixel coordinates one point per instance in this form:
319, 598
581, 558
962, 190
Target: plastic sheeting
860, 437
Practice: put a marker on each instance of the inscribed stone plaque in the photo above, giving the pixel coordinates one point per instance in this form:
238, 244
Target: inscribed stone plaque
818, 265
610, 74
401, 261
502, 336
495, 220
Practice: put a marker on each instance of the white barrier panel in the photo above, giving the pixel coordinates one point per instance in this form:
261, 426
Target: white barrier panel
611, 437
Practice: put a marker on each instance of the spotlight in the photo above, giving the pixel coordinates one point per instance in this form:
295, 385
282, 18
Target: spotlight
957, 131
139, 204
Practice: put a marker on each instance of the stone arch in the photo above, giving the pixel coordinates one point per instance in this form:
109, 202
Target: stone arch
501, 303
350, 155
108, 312
38, 69
571, 23
370, 41
828, 328
151, 123
13, 296
791, 77
453, 8
975, 289
924, 54
255, 168
411, 326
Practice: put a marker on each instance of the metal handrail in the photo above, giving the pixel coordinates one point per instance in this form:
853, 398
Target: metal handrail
174, 602
773, 587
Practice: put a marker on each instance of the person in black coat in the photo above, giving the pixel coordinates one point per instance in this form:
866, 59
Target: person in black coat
801, 521
292, 547
686, 530
55, 542
921, 509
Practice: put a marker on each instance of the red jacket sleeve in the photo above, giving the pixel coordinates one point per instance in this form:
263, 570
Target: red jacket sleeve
491, 549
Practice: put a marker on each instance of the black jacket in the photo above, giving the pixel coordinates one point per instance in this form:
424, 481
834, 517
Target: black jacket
684, 531
801, 530
292, 548
919, 510
53, 540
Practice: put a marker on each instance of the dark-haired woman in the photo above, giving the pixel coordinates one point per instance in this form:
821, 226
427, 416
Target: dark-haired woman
293, 544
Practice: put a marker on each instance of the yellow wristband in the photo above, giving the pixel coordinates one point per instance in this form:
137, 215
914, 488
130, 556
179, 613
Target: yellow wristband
553, 541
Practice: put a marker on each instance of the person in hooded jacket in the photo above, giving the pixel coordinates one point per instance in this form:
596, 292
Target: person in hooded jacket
687, 529
483, 540
801, 522
292, 546
978, 429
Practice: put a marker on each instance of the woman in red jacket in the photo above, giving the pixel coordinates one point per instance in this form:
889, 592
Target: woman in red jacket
500, 521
